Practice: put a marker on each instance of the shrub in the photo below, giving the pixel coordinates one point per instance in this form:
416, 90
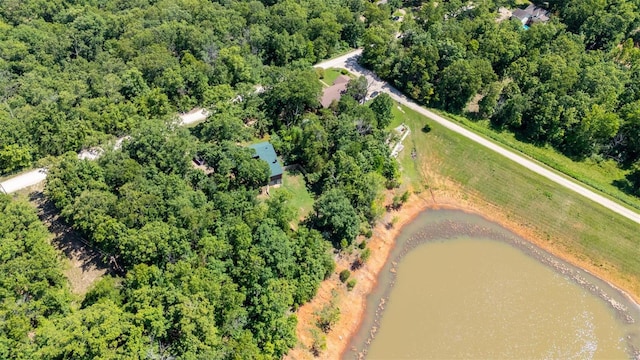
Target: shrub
351, 284
344, 275
365, 255
319, 342
327, 317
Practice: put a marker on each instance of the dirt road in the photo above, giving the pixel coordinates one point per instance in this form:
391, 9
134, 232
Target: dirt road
349, 62
34, 177
23, 181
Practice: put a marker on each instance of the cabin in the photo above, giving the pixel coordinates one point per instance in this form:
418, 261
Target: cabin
266, 152
335, 91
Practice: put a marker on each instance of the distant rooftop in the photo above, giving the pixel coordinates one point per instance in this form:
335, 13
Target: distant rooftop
266, 152
334, 92
531, 14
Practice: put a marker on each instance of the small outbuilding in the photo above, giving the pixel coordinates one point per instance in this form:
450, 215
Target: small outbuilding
267, 153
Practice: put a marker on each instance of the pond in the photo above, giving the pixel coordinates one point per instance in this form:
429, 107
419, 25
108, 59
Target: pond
460, 287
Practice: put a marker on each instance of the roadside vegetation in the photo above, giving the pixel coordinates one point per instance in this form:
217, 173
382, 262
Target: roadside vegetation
601, 174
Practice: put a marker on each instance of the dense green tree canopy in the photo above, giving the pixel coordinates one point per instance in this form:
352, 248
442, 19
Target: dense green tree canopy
564, 82
75, 73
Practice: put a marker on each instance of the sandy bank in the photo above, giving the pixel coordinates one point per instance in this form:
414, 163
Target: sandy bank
352, 304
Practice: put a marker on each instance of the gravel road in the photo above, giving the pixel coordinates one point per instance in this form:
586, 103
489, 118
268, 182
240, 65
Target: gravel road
349, 62
34, 177
23, 181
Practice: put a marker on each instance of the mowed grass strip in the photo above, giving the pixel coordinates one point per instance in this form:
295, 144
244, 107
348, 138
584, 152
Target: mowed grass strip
571, 223
600, 174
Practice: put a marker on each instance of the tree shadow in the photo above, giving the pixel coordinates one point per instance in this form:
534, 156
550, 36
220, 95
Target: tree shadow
69, 241
625, 186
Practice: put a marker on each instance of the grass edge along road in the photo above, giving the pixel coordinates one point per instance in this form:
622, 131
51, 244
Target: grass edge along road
563, 221
596, 174
530, 164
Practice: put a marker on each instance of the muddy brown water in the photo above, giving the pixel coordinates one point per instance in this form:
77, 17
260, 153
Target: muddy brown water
457, 286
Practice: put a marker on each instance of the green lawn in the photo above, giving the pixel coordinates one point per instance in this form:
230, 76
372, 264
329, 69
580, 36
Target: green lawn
573, 223
330, 75
599, 175
301, 199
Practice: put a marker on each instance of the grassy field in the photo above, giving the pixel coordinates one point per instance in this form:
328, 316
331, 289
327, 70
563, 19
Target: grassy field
301, 199
569, 222
599, 175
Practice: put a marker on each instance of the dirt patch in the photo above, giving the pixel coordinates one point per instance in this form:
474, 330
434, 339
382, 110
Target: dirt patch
85, 264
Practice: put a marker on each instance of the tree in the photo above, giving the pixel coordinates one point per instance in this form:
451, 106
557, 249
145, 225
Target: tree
358, 89
381, 106
14, 157
633, 177
291, 95
32, 285
102, 330
335, 218
461, 80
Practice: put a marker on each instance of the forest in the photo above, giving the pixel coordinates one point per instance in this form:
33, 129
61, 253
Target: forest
203, 266
570, 83
76, 73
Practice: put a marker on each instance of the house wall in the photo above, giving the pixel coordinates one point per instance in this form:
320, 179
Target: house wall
275, 180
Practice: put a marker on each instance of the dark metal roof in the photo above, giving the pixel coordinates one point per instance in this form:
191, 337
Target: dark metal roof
266, 152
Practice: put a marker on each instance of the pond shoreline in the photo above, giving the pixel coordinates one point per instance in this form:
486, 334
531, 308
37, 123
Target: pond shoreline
353, 304
434, 229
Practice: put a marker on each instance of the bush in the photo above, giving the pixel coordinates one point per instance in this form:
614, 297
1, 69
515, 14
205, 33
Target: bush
319, 342
351, 284
320, 73
344, 72
405, 197
327, 317
366, 254
344, 275
426, 128
392, 184
363, 244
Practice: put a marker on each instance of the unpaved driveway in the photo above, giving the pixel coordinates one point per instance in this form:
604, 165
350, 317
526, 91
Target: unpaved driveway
193, 116
24, 180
